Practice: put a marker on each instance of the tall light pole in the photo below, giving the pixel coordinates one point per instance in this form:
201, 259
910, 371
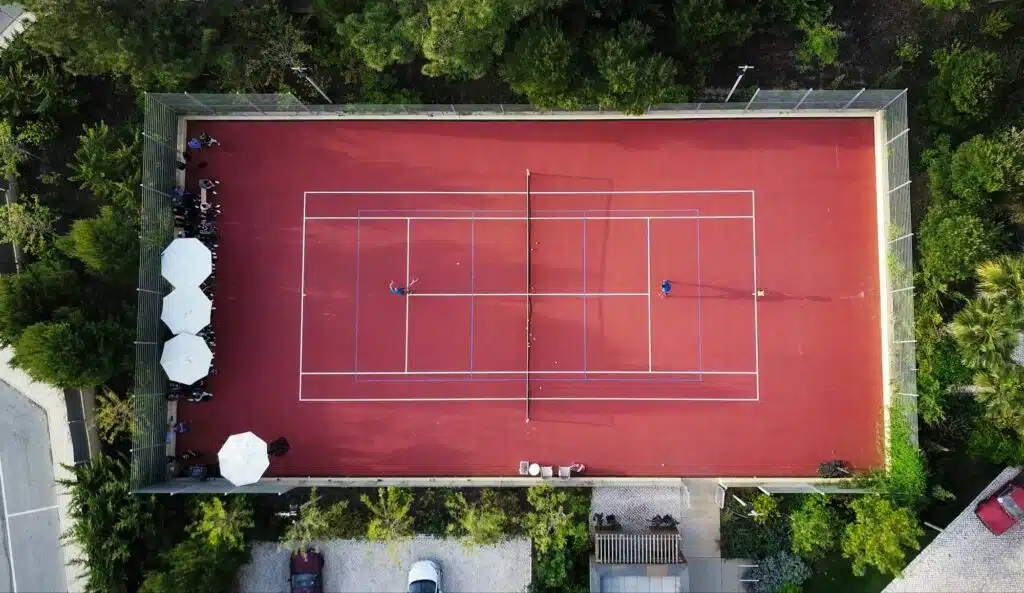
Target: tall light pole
304, 72
743, 70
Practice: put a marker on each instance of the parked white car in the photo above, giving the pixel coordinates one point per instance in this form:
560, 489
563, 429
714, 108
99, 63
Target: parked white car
425, 577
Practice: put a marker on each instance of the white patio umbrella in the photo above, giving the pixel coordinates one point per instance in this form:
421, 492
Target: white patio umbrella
186, 310
186, 262
243, 458
186, 358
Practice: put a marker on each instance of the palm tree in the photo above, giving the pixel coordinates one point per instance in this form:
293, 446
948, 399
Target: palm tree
1002, 393
985, 334
1002, 280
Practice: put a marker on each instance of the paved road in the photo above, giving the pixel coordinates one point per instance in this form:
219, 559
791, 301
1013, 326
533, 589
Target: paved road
31, 558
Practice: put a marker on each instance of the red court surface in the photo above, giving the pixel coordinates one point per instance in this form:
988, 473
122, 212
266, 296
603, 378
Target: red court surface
320, 216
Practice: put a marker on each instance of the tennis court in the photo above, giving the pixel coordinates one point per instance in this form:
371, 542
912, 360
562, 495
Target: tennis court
534, 328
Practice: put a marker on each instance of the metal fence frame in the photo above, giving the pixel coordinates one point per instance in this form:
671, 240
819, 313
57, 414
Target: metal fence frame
164, 131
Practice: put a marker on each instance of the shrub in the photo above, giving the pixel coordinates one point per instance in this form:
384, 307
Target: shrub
880, 535
390, 518
775, 572
967, 85
316, 524
813, 526
561, 538
820, 47
481, 523
952, 245
765, 509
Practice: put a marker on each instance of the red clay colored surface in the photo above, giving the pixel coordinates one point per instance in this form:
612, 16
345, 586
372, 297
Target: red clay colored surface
688, 385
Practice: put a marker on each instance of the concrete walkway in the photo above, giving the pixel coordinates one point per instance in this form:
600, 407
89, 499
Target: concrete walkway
61, 451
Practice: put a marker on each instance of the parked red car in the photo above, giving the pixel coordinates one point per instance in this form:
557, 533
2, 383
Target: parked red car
307, 572
1003, 510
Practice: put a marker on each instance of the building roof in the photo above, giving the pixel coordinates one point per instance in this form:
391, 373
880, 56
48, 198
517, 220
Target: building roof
966, 557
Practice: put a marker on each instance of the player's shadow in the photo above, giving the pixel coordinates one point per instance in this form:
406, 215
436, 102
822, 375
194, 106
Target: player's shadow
711, 291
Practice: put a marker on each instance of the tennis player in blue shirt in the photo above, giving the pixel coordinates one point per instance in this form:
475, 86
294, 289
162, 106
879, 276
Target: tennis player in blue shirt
402, 290
666, 287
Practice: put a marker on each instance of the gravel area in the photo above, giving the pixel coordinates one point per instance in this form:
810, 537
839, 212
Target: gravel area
634, 507
367, 567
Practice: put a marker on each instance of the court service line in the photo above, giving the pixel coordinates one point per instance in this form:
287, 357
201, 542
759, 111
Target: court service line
522, 193
566, 218
302, 292
753, 242
522, 372
408, 278
7, 528
650, 343
420, 295
415, 400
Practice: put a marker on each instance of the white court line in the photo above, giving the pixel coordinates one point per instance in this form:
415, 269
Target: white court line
32, 511
650, 344
535, 193
420, 295
407, 218
7, 528
753, 242
532, 398
521, 372
302, 293
408, 256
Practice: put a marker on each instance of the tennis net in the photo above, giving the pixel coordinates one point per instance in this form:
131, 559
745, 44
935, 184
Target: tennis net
529, 292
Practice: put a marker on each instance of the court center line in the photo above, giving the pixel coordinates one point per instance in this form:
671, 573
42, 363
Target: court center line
567, 218
7, 529
408, 256
33, 511
650, 342
521, 192
522, 373
302, 292
753, 241
420, 295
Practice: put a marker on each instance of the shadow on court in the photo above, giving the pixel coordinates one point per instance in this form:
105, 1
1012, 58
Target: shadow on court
711, 291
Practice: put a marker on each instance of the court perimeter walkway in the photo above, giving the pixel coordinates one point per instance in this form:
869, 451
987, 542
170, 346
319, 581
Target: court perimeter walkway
35, 439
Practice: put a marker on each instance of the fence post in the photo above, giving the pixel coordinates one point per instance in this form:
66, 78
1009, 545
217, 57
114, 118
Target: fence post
804, 98
855, 97
751, 101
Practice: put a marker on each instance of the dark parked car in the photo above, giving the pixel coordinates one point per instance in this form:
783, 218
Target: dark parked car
1002, 510
307, 572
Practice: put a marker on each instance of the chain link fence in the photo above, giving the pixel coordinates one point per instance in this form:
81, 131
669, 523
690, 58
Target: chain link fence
164, 138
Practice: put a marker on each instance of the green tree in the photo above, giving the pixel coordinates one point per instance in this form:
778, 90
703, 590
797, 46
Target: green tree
706, 29
984, 165
773, 574
952, 245
1002, 281
220, 524
880, 535
481, 523
814, 527
1001, 391
967, 86
108, 245
12, 155
107, 163
195, 565
390, 520
114, 416
29, 224
820, 46
262, 43
317, 524
464, 36
31, 297
985, 335
385, 33
557, 524
632, 78
542, 67
114, 527
72, 350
